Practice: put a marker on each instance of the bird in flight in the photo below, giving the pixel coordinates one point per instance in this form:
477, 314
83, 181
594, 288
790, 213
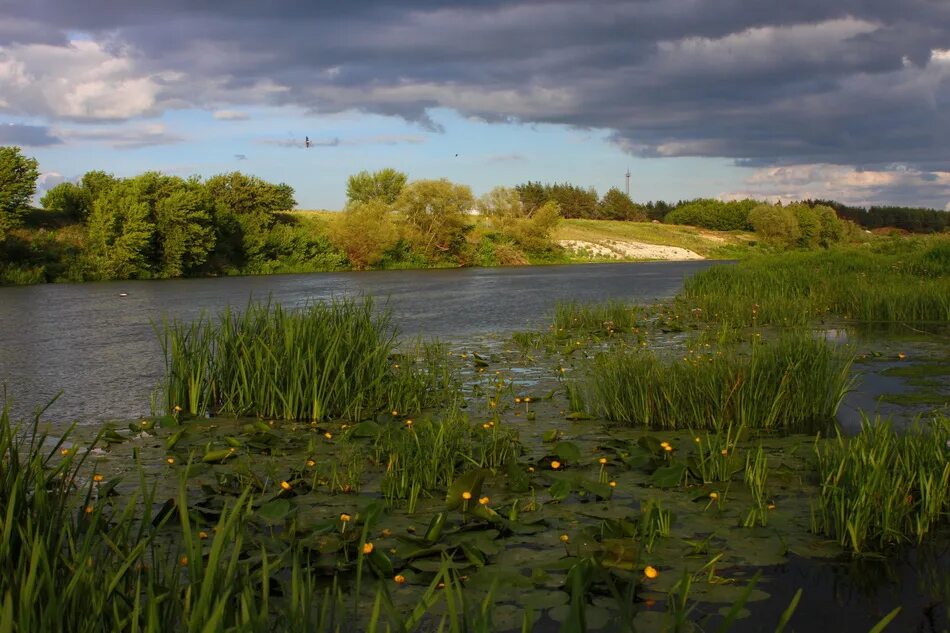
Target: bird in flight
306, 142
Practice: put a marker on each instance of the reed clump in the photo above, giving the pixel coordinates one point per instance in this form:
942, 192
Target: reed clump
794, 384
882, 488
605, 318
903, 281
327, 360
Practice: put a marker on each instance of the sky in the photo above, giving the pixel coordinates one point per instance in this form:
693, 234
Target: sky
840, 99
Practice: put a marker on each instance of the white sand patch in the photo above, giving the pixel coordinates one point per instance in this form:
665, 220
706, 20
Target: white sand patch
625, 249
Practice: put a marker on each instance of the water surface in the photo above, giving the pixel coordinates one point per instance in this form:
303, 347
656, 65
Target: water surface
95, 342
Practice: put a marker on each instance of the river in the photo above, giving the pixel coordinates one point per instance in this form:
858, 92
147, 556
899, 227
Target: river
95, 343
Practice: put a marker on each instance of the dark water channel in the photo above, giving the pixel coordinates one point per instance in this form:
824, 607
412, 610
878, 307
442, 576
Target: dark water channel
95, 342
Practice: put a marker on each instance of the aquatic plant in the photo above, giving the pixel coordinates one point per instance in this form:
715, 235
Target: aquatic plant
904, 281
331, 359
604, 319
883, 488
794, 384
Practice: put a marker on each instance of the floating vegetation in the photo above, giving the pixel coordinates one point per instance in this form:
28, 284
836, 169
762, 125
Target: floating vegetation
794, 384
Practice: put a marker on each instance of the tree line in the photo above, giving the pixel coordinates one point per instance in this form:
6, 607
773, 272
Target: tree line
158, 226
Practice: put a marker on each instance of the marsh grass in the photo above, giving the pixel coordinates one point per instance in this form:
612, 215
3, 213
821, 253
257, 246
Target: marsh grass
882, 488
327, 360
605, 319
903, 281
794, 384
423, 457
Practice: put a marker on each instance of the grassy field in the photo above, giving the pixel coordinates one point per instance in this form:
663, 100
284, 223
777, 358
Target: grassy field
712, 244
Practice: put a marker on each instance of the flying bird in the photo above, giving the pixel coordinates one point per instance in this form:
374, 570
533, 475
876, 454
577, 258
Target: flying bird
306, 142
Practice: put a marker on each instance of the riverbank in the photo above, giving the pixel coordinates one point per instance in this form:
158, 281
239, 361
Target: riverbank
50, 246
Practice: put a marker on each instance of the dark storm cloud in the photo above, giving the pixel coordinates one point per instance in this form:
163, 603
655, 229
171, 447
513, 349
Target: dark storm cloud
26, 135
850, 82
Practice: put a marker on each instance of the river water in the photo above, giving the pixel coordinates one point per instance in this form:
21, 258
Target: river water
96, 345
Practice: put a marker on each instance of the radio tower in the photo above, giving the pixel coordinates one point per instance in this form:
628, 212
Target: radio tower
628, 182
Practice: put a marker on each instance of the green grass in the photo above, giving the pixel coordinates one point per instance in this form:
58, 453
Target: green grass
603, 319
712, 244
883, 488
904, 280
794, 384
327, 360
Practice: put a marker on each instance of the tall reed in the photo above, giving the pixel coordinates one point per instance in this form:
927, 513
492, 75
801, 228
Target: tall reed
327, 360
910, 281
794, 384
883, 488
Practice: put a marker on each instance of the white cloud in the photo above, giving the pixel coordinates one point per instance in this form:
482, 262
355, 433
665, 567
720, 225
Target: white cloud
862, 187
230, 115
83, 81
122, 137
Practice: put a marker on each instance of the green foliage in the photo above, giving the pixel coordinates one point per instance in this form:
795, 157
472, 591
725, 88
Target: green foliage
18, 176
616, 205
385, 185
68, 198
794, 288
246, 209
433, 212
883, 488
364, 231
777, 225
150, 225
573, 201
809, 225
328, 360
530, 228
713, 214
794, 384
913, 219
121, 230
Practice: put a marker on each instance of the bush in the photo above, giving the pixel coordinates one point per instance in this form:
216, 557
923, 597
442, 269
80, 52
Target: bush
776, 225
713, 214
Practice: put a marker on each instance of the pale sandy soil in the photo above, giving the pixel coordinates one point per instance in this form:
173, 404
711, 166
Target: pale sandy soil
628, 249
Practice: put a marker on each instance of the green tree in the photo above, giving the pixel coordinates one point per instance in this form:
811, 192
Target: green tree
616, 205
809, 225
529, 228
67, 198
18, 176
120, 234
776, 225
385, 184
832, 228
183, 228
433, 212
246, 209
364, 231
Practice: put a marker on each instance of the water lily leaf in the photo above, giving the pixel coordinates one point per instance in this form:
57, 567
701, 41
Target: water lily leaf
473, 555
650, 444
568, 451
517, 478
470, 482
367, 428
174, 439
217, 456
274, 511
551, 435
436, 525
578, 415
560, 489
485, 513
604, 491
380, 564
668, 476
434, 566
